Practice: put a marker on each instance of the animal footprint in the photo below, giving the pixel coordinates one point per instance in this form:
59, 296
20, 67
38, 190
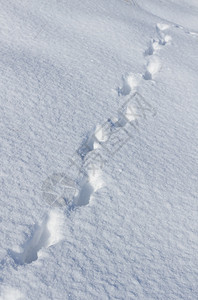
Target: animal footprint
152, 68
88, 145
130, 82
99, 135
163, 38
88, 185
154, 45
44, 235
162, 26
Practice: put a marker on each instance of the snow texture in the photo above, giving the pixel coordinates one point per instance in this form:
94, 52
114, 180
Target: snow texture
99, 139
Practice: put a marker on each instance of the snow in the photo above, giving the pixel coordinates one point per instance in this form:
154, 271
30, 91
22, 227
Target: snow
99, 147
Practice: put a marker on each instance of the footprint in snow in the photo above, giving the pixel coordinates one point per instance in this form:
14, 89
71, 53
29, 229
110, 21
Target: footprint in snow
88, 186
153, 47
163, 38
152, 68
44, 235
129, 84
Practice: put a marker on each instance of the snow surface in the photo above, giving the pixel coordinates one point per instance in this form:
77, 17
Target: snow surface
99, 139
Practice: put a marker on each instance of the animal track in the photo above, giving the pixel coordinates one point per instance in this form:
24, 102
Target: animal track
161, 26
163, 38
48, 233
99, 135
152, 68
92, 162
102, 132
129, 84
92, 181
154, 45
88, 185
87, 146
153, 64
44, 235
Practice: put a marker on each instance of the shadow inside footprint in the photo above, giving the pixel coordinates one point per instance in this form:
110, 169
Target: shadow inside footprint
84, 195
147, 75
38, 240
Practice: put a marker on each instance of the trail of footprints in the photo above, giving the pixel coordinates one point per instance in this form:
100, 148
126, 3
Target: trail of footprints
130, 82
48, 232
153, 62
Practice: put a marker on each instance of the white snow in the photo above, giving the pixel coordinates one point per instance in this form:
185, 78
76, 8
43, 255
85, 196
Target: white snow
99, 139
